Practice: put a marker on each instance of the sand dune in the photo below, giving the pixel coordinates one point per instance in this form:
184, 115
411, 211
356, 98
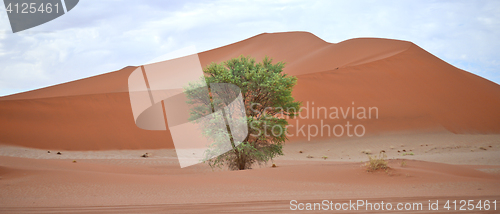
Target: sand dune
424, 105
413, 90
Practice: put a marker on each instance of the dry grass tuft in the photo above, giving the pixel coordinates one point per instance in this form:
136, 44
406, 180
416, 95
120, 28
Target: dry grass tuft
376, 163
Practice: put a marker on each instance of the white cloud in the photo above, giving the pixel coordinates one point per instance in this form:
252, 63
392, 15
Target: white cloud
101, 36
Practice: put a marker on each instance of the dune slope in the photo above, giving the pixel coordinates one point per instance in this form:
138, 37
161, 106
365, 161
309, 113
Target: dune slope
412, 90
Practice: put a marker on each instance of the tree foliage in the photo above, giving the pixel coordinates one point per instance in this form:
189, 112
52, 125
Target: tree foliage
267, 97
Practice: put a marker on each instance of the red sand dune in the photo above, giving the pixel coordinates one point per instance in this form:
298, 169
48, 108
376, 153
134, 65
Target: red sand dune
412, 89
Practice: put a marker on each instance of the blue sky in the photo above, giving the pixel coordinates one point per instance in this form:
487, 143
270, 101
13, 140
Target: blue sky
102, 36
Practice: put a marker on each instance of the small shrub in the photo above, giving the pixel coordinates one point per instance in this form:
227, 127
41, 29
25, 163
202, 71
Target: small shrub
324, 157
376, 163
408, 153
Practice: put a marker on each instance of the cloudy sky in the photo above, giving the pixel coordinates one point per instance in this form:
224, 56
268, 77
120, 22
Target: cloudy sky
100, 36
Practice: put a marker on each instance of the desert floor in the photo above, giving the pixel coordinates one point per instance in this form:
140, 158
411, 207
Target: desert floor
439, 166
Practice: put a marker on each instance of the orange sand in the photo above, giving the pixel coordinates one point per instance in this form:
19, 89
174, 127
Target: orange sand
441, 113
413, 90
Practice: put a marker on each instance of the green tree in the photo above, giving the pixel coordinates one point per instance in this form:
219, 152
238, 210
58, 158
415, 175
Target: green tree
267, 97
